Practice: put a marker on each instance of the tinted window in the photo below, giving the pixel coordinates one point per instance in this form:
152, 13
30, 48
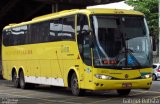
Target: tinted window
55, 31
34, 30
19, 35
68, 28
46, 31
15, 36
43, 31
39, 32
7, 37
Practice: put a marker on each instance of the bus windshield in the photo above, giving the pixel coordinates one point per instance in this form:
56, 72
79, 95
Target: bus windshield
121, 41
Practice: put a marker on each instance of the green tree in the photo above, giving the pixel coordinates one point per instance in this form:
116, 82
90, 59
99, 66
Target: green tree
150, 9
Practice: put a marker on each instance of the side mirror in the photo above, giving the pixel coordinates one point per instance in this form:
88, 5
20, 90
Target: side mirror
85, 32
89, 35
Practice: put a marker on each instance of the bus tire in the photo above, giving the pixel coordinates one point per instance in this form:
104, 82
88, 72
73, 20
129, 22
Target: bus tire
15, 80
124, 92
75, 87
21, 80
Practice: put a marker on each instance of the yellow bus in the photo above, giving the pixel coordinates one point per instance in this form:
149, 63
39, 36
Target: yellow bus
87, 49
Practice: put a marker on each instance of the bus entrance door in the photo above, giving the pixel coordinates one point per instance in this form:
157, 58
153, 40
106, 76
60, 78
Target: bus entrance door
87, 59
88, 70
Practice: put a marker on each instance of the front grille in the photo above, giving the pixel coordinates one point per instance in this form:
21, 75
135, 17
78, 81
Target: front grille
113, 78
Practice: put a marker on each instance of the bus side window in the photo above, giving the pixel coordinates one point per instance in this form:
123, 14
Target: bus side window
68, 28
43, 31
34, 33
55, 30
83, 39
6, 34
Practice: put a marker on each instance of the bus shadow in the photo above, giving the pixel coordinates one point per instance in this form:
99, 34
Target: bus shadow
67, 92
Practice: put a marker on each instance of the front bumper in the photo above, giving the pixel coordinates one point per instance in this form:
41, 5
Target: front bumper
100, 84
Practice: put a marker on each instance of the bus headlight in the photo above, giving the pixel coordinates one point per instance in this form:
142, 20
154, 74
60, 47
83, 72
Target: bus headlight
147, 76
100, 76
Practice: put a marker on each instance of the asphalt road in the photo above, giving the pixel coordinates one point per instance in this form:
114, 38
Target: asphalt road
48, 95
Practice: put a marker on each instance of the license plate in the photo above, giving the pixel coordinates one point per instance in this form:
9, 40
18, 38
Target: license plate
126, 85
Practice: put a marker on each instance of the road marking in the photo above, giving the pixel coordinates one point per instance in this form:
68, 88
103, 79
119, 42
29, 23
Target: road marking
31, 93
21, 96
59, 101
8, 90
74, 98
53, 101
115, 98
101, 101
12, 92
137, 94
149, 91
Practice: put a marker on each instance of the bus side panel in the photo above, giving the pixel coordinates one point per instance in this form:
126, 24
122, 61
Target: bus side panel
57, 80
45, 73
71, 60
56, 64
8, 66
26, 68
33, 72
5, 70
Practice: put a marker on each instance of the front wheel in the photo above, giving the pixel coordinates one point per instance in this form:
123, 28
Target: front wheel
75, 86
123, 92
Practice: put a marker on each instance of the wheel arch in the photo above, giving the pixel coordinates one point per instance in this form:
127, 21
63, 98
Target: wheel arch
71, 71
20, 69
14, 69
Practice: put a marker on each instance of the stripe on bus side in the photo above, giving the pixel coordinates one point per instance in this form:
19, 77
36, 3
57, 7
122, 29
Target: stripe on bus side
44, 80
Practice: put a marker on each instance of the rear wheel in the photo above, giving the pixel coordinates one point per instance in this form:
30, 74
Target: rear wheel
123, 92
75, 87
21, 80
15, 80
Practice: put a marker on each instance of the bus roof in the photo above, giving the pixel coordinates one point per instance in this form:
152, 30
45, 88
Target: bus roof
75, 11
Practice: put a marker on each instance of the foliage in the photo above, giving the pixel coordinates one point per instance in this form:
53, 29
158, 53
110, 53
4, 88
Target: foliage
150, 9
